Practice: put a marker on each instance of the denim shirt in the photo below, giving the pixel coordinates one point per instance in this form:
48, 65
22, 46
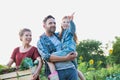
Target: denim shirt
68, 37
67, 40
46, 48
69, 32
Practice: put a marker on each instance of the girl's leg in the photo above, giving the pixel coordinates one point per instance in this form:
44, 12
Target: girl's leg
80, 75
51, 66
54, 73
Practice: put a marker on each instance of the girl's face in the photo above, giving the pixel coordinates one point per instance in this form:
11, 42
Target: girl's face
65, 23
26, 37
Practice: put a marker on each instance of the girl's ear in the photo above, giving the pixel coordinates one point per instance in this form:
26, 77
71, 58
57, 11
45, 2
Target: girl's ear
61, 24
20, 38
61, 27
44, 25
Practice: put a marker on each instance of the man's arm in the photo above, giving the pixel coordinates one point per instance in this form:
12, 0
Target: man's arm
49, 57
68, 57
43, 50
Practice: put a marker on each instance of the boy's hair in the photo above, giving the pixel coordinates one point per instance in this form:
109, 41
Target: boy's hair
48, 17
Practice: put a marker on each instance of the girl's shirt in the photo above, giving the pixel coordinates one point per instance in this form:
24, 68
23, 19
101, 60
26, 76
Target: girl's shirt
18, 56
68, 37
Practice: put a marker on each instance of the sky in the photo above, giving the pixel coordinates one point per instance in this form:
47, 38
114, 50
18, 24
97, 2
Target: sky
94, 19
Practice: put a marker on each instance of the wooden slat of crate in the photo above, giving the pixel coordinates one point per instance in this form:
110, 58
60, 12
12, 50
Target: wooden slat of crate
26, 77
12, 79
23, 75
8, 75
25, 72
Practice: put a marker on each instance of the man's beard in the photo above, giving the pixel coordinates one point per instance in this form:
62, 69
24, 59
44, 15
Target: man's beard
52, 30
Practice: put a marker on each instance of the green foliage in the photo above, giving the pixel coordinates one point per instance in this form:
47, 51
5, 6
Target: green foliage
2, 66
83, 66
110, 60
113, 77
87, 48
111, 73
114, 73
91, 49
5, 69
42, 74
116, 51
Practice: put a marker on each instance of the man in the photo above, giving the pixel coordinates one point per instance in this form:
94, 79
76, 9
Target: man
48, 43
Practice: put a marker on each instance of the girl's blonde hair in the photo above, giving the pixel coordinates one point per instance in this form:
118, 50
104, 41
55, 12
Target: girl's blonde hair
60, 34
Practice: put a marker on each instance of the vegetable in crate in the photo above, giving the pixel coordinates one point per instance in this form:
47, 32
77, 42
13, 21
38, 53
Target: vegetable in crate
36, 62
26, 63
6, 69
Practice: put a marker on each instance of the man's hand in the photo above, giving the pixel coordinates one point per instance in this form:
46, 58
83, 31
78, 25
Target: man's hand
71, 56
76, 53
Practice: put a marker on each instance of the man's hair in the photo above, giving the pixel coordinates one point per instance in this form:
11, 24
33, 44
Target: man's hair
48, 17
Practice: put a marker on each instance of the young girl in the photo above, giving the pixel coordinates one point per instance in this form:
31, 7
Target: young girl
68, 39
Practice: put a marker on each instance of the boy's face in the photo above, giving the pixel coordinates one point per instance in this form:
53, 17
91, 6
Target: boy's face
65, 23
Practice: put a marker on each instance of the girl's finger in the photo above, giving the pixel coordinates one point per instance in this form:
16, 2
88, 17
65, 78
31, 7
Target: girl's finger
73, 13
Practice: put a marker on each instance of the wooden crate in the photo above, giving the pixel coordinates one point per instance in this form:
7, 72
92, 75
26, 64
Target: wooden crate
18, 75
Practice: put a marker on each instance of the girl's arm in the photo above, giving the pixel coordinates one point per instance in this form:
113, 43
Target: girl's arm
39, 67
10, 63
72, 27
72, 16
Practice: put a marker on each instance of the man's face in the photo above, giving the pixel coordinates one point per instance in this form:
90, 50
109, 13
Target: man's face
50, 25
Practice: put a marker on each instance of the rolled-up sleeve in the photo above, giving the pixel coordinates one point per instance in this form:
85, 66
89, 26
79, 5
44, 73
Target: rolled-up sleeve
72, 28
43, 51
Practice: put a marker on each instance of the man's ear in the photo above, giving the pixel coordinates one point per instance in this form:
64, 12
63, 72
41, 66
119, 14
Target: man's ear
44, 25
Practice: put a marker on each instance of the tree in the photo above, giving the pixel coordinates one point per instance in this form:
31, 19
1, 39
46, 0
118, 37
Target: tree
91, 49
116, 51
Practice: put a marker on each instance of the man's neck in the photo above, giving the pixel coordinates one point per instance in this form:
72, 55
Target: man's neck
48, 34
